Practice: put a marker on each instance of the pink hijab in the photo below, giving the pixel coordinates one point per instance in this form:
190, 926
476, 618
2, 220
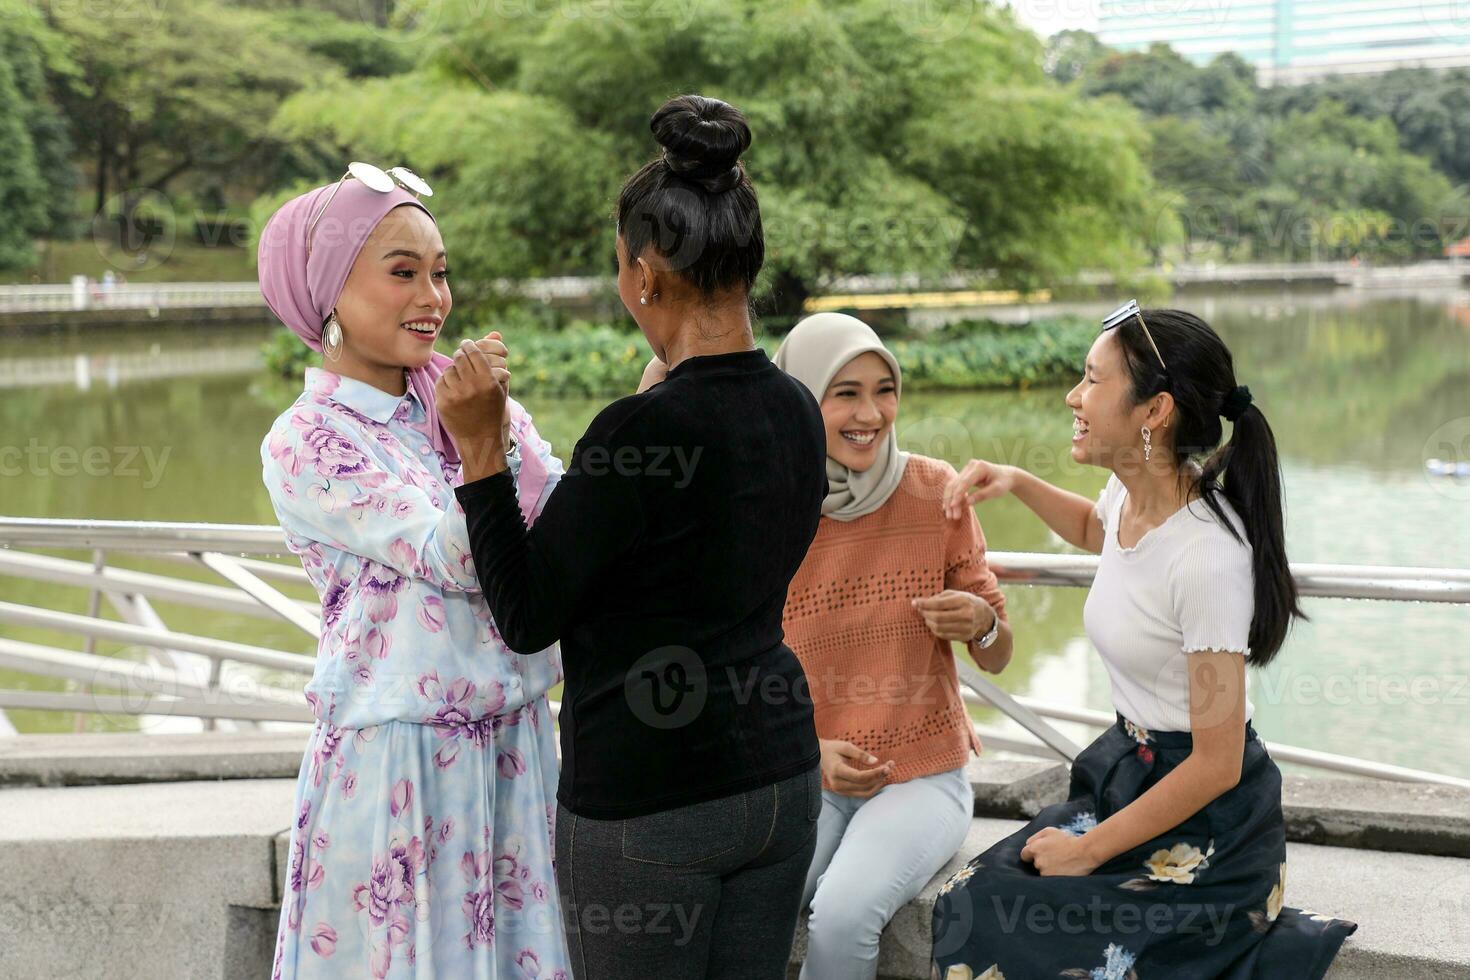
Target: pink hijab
302, 289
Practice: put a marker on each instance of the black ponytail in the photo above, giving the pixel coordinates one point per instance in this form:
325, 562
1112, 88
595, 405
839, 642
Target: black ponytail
1246, 470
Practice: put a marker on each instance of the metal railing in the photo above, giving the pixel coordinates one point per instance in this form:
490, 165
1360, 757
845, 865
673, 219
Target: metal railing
81, 295
181, 680
184, 676
93, 295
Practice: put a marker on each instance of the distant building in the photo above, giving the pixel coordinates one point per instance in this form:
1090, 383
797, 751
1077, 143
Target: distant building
1297, 40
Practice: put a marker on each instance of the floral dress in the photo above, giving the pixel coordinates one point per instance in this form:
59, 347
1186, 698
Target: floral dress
422, 839
1205, 901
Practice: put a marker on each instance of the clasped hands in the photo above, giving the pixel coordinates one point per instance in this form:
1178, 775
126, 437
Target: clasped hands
471, 398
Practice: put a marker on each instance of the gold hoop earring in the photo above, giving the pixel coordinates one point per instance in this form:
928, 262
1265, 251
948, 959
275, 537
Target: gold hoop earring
332, 337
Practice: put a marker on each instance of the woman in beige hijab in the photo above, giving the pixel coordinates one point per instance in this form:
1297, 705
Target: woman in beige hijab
886, 587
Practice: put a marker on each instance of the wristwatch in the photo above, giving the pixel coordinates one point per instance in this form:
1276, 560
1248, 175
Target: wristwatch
981, 642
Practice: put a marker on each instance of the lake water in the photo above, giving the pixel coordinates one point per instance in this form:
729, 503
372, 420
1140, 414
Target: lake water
1360, 392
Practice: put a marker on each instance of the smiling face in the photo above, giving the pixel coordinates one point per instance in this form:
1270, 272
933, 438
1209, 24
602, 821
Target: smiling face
858, 408
396, 298
1106, 422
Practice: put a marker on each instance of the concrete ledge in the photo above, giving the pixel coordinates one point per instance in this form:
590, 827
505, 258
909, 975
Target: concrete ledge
147, 881
1408, 817
99, 759
1412, 817
1375, 814
183, 879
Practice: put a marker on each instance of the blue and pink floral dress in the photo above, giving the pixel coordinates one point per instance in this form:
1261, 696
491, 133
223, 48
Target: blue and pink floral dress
422, 840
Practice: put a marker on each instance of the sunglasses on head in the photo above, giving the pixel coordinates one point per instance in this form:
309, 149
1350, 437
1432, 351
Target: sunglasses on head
373, 178
1121, 316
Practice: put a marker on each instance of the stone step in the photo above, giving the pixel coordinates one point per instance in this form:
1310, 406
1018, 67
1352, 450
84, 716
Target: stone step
1410, 817
184, 879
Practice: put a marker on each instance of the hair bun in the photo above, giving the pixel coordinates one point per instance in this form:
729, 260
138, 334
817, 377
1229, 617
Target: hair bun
702, 140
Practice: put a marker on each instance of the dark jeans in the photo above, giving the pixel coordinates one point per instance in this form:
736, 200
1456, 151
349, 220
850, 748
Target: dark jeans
709, 890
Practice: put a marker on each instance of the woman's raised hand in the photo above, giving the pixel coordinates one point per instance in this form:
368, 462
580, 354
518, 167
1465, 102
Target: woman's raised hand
979, 480
846, 778
471, 393
653, 373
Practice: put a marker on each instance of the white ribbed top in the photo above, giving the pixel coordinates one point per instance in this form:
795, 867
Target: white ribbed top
1186, 586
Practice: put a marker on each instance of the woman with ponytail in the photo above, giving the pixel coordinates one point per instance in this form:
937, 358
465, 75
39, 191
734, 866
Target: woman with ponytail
1169, 857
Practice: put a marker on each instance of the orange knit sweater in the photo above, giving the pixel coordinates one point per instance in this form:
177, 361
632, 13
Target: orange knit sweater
879, 678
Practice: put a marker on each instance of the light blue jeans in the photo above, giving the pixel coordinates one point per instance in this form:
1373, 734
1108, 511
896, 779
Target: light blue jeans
874, 855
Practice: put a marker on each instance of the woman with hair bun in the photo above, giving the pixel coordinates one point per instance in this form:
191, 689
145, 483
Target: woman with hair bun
690, 787
1169, 857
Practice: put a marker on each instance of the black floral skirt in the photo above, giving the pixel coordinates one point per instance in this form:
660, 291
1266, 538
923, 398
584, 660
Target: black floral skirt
1201, 902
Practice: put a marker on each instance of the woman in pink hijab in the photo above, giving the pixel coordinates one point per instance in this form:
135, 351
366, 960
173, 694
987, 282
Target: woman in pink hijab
421, 843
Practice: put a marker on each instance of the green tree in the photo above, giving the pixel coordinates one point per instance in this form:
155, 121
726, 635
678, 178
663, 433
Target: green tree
884, 142
36, 180
1342, 186
182, 88
22, 191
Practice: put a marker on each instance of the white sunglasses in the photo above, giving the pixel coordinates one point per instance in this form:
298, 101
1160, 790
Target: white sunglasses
373, 178
1122, 314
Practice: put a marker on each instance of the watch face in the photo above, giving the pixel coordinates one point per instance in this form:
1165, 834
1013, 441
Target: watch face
989, 637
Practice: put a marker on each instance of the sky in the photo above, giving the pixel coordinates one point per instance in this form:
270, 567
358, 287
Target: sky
1046, 17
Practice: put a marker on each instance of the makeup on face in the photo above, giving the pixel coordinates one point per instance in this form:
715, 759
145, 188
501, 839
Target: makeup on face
859, 407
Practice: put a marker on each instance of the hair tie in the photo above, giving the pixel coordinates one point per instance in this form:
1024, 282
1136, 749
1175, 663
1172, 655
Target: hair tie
716, 178
1236, 403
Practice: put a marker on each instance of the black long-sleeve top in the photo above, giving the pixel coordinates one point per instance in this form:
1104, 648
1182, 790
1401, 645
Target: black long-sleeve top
661, 562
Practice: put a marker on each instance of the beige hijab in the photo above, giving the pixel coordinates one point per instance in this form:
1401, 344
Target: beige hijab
812, 353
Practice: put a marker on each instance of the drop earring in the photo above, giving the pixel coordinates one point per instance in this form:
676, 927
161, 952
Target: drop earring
1147, 443
332, 337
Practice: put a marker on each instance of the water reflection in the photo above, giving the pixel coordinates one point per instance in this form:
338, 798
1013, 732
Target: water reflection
1359, 395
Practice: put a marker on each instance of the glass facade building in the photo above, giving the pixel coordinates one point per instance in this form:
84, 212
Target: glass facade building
1296, 40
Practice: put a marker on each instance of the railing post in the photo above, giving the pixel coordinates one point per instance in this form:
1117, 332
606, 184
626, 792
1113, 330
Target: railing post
89, 646
215, 663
